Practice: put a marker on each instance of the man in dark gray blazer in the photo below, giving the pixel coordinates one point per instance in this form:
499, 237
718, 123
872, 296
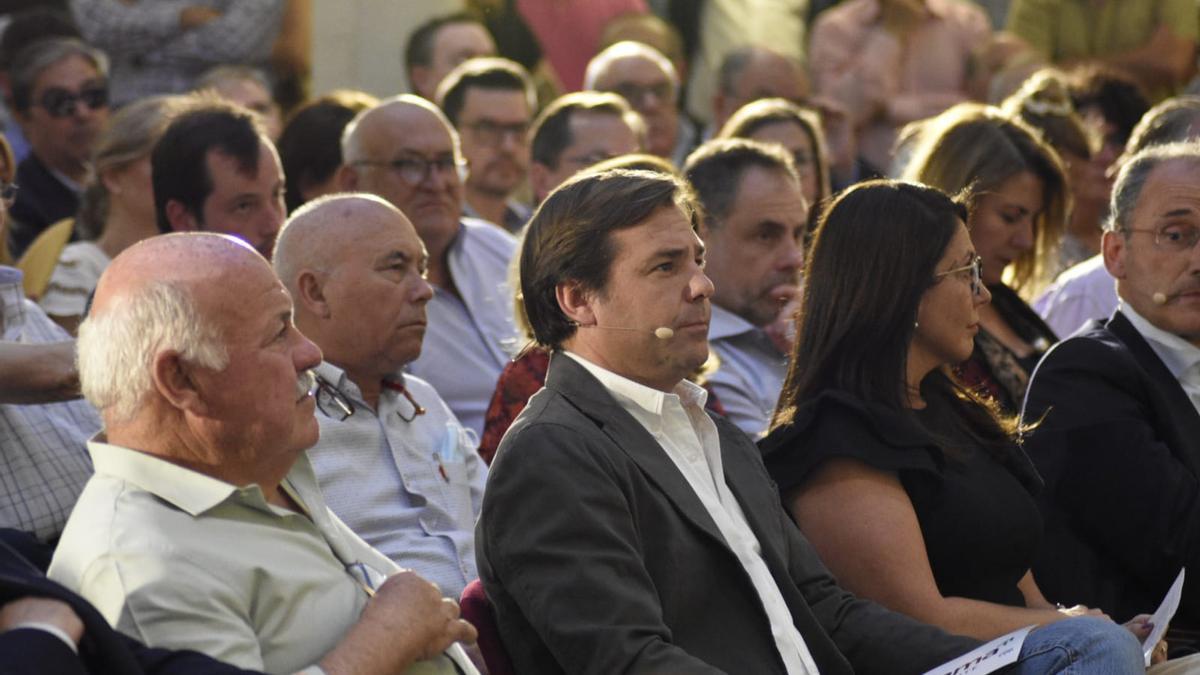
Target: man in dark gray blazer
1118, 442
624, 530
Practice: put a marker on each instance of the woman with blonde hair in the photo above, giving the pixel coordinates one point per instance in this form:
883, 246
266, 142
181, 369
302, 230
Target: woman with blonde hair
1044, 103
117, 209
1016, 192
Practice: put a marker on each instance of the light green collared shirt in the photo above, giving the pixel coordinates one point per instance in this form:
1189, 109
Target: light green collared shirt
182, 560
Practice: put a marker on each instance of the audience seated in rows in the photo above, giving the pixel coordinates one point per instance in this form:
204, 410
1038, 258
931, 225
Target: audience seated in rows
392, 460
203, 527
909, 484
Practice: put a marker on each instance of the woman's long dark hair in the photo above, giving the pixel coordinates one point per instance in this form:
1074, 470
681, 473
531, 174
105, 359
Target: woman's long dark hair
875, 253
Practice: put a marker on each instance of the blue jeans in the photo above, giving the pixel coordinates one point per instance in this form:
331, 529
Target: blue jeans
1082, 645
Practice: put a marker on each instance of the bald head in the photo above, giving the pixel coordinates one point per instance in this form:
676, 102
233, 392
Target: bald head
648, 81
355, 266
405, 151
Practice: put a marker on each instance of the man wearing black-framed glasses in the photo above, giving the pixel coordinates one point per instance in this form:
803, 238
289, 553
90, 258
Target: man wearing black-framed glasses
405, 150
393, 461
60, 98
491, 102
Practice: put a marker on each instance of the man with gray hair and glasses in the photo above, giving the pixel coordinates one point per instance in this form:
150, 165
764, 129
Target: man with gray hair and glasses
405, 150
203, 527
1117, 407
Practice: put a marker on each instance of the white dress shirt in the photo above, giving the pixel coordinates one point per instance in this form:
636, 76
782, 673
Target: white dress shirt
689, 437
1082, 293
1180, 357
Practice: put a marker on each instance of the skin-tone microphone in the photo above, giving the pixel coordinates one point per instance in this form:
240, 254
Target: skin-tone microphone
1159, 298
662, 332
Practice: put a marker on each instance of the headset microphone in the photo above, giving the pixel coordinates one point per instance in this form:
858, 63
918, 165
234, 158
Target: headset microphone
662, 332
1159, 298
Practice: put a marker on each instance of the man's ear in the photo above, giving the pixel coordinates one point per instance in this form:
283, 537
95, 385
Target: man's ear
180, 218
310, 294
173, 379
347, 178
1113, 246
418, 77
575, 302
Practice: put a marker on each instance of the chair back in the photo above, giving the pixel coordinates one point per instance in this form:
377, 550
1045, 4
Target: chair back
477, 609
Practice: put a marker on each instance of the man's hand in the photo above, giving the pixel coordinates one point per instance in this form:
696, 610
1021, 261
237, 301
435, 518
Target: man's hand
408, 620
41, 610
195, 16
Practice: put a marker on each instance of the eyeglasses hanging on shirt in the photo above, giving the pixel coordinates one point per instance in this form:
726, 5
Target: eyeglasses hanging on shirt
334, 404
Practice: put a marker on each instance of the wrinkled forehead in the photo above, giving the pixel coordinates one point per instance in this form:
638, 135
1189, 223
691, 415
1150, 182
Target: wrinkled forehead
1172, 190
411, 129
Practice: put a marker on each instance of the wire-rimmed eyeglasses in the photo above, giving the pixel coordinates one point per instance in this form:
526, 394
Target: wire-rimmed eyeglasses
975, 267
1173, 237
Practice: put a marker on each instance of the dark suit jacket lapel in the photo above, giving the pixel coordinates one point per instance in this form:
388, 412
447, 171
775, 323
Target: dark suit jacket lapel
1181, 421
587, 394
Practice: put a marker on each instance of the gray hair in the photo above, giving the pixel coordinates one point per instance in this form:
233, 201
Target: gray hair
217, 76
1131, 180
1173, 120
37, 57
117, 347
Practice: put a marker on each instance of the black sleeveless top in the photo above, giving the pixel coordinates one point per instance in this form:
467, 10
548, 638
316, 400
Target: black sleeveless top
977, 514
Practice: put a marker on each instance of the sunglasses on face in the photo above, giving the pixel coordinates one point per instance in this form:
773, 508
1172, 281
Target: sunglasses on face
59, 102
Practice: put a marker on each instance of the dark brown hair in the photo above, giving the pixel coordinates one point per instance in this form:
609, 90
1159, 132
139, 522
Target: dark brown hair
569, 238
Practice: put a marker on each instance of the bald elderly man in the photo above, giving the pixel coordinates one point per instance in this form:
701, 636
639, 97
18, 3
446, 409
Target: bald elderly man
203, 527
393, 461
647, 80
405, 150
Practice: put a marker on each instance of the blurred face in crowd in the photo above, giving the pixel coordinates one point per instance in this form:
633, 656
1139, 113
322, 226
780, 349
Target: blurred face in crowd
249, 93
246, 205
453, 44
796, 141
948, 316
755, 253
1156, 260
411, 162
1004, 222
131, 189
69, 106
595, 137
651, 91
494, 124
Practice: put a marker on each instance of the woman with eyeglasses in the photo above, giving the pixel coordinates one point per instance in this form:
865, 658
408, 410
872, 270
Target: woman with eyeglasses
1016, 194
117, 208
910, 485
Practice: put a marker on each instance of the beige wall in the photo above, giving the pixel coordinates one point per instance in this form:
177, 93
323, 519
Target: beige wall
359, 44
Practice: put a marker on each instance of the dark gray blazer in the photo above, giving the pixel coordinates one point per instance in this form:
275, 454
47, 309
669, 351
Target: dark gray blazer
599, 558
1119, 449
